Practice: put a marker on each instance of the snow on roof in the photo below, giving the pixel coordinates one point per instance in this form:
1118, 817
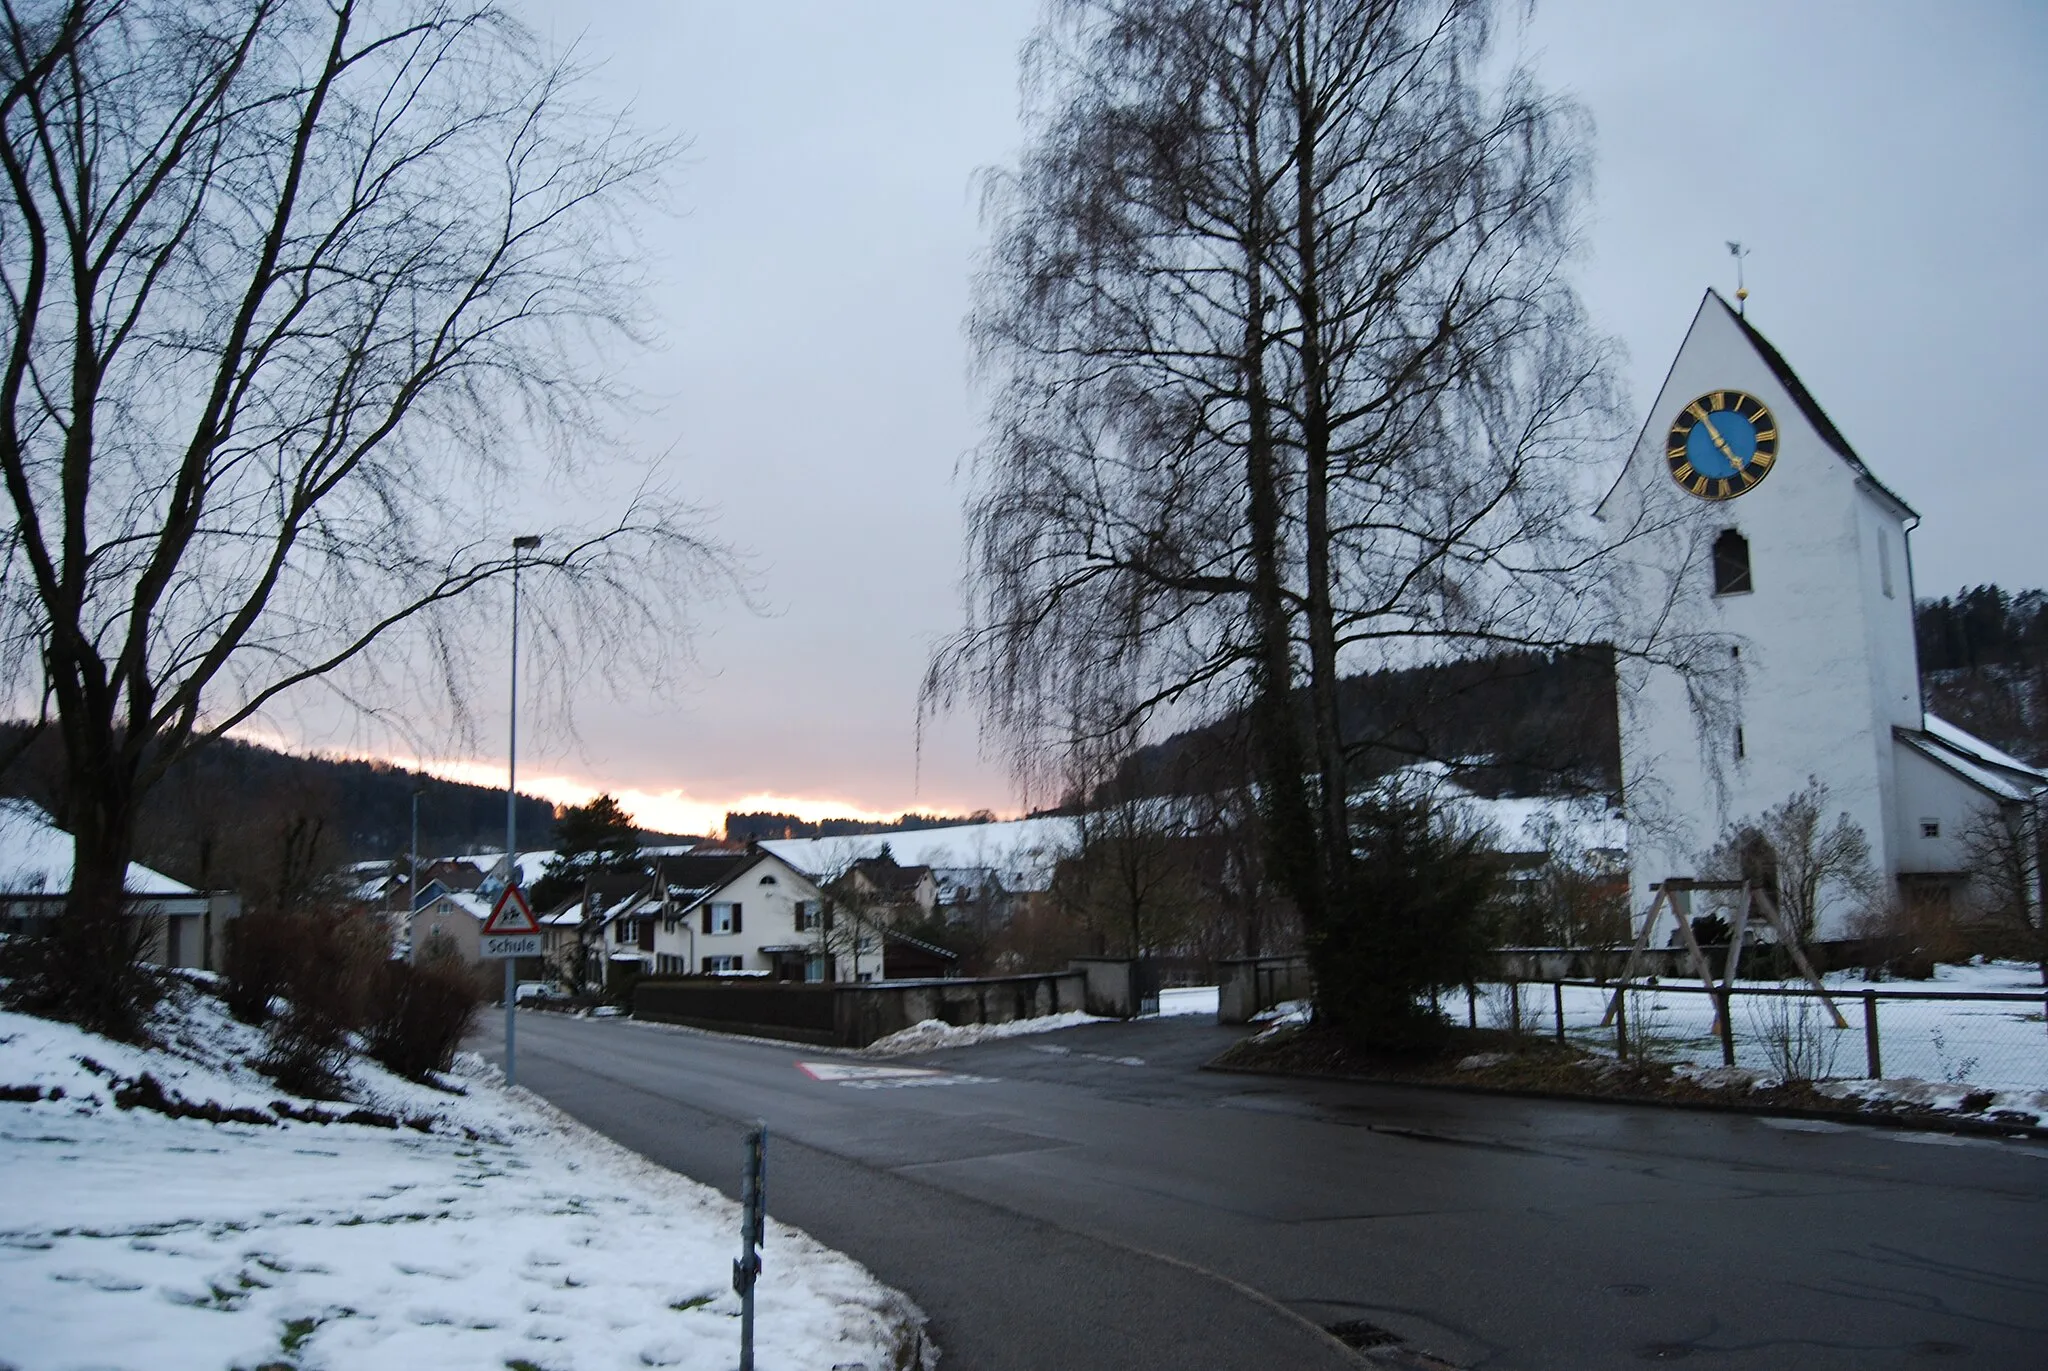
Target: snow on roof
1941, 730
1976, 761
35, 857
1021, 851
469, 903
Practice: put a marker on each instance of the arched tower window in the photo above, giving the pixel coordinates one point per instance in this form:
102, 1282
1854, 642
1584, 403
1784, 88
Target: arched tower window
1731, 564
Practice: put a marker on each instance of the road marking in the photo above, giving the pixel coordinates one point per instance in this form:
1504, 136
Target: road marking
862, 1077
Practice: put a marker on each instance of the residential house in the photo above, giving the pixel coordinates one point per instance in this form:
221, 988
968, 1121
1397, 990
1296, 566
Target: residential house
747, 913
35, 880
449, 921
891, 891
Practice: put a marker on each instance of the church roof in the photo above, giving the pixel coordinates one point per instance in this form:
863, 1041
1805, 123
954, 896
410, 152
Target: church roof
1994, 772
1808, 406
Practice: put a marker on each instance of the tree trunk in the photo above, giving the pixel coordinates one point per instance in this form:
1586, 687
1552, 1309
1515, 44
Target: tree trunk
1332, 784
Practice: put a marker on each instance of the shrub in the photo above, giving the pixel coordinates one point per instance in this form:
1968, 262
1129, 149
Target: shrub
85, 966
329, 961
257, 968
1414, 922
419, 1014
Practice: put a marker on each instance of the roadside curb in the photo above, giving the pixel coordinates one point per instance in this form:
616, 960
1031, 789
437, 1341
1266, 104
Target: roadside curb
1938, 1124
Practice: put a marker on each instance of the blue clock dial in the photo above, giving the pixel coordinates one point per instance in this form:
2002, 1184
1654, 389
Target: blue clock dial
1722, 444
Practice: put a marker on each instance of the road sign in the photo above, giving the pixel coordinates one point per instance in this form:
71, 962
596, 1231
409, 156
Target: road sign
511, 931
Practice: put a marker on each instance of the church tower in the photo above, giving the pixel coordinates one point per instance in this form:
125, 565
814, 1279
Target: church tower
1770, 557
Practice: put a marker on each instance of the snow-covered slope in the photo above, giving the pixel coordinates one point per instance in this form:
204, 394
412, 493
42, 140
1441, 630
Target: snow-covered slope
472, 1229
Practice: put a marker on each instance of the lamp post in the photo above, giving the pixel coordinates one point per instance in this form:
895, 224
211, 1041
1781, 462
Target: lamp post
523, 543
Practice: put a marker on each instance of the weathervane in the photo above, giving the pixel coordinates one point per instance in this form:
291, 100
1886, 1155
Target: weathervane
1738, 252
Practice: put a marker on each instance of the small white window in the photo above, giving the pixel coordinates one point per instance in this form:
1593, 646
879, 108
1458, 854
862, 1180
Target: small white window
721, 918
1930, 828
807, 919
721, 966
768, 880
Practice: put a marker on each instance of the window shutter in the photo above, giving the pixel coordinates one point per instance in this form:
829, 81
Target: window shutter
735, 916
707, 929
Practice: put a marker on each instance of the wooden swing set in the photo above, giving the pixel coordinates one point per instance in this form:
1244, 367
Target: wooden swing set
1675, 895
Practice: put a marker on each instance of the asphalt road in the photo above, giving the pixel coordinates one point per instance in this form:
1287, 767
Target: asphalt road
1091, 1199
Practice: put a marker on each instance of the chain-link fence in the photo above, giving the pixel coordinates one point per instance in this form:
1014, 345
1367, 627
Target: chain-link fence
1995, 1039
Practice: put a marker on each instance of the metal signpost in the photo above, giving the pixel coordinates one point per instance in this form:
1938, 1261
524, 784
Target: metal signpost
524, 543
753, 1222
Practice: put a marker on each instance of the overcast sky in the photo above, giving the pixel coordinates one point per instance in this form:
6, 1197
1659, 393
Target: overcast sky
1884, 162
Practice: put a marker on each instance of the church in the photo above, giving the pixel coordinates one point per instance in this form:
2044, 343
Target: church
1770, 585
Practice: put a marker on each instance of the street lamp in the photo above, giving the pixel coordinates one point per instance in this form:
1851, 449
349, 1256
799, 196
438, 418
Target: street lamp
524, 543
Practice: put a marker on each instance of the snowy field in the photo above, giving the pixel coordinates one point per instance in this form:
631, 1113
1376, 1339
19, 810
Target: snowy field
1933, 1051
486, 1230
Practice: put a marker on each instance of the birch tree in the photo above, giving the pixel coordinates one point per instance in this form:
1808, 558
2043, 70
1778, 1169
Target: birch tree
291, 291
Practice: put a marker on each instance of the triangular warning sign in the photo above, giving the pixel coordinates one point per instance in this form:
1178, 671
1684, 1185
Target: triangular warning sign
510, 915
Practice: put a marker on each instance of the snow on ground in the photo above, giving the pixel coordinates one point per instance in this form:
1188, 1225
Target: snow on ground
1933, 1051
491, 1233
930, 1035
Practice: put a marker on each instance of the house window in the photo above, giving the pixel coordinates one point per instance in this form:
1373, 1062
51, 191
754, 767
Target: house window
622, 931
1930, 828
807, 918
1731, 564
721, 966
814, 970
722, 917
768, 880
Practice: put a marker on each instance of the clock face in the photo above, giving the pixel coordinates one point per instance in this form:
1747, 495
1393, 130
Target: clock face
1722, 444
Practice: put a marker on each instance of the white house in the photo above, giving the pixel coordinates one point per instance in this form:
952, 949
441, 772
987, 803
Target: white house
745, 913
35, 878
1772, 554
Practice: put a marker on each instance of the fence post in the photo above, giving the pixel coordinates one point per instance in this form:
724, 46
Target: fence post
1871, 1056
1621, 1025
1514, 1008
1721, 1005
1557, 998
753, 1211
1471, 1005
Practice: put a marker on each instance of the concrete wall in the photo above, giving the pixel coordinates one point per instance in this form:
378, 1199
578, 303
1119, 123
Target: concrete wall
852, 1015
1248, 986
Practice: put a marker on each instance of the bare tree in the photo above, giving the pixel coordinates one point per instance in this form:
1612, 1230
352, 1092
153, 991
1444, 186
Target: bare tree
291, 288
2002, 851
1287, 381
1808, 865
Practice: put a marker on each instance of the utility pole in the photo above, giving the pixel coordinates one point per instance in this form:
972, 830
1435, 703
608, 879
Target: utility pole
523, 543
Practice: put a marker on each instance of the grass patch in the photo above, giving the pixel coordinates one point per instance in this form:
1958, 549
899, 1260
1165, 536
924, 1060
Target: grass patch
694, 1302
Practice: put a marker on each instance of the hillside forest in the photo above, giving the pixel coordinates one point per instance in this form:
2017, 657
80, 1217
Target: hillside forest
242, 816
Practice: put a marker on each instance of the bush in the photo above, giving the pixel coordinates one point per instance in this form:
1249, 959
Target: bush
328, 963
1414, 922
85, 967
262, 949
419, 1014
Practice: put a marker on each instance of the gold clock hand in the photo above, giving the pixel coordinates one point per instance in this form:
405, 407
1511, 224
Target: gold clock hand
1722, 443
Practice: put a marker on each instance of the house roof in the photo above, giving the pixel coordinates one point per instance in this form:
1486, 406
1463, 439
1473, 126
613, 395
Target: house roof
1998, 774
35, 857
890, 875
1808, 406
892, 935
476, 906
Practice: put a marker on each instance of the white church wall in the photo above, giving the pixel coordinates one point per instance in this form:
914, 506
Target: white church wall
1806, 695
1932, 794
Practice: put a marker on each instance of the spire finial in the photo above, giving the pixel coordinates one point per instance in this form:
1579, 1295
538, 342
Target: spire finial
1738, 252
